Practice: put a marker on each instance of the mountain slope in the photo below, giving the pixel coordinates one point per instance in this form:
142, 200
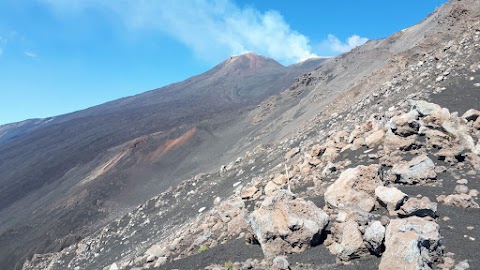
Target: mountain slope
70, 173
333, 121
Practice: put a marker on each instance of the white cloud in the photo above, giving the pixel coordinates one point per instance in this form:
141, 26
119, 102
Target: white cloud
213, 29
337, 46
30, 54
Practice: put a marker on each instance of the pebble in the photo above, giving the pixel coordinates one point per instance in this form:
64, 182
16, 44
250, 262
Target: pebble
462, 181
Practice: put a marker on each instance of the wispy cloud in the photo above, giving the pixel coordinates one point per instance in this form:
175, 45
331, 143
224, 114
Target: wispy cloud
211, 28
30, 54
214, 29
333, 45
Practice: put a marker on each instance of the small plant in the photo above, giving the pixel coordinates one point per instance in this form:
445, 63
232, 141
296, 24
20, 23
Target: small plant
229, 265
202, 249
451, 135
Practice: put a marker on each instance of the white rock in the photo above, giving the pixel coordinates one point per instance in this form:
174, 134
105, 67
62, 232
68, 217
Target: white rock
374, 235
280, 263
425, 108
392, 197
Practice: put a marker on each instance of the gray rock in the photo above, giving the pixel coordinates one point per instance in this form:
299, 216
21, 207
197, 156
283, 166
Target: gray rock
410, 244
280, 263
418, 169
463, 265
160, 261
374, 235
461, 189
424, 108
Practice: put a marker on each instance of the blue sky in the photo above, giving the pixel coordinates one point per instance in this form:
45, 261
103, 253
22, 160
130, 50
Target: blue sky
61, 56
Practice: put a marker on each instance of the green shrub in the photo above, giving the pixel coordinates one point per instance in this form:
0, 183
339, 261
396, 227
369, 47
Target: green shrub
202, 249
229, 265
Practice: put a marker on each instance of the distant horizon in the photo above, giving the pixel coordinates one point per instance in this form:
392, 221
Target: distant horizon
58, 58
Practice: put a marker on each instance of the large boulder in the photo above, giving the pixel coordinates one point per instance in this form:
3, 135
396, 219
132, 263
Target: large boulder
410, 244
418, 169
354, 189
286, 224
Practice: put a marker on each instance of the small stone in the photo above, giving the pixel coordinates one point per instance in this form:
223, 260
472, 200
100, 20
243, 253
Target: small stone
461, 189
280, 263
462, 181
201, 209
249, 192
160, 261
270, 187
292, 153
470, 228
445, 218
280, 179
463, 265
473, 193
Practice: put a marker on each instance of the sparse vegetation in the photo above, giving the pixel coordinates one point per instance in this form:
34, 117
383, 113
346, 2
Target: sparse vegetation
229, 265
202, 249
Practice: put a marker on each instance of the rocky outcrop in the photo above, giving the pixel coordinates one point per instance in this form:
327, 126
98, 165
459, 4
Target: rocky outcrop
287, 224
